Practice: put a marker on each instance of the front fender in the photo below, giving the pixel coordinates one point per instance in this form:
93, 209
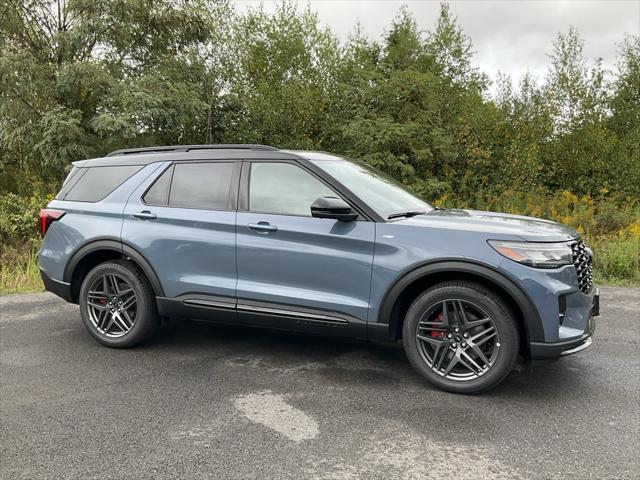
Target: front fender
446, 268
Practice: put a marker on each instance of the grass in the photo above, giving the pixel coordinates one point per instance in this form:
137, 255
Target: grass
617, 263
617, 260
19, 272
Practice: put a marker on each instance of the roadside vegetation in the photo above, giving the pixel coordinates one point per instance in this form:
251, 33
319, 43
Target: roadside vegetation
80, 78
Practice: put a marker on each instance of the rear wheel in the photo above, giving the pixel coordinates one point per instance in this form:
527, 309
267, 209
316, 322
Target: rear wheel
461, 337
117, 305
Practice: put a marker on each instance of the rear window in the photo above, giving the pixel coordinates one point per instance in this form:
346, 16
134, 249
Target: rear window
95, 183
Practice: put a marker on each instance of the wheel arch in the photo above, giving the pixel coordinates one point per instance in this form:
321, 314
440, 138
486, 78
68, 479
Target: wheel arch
405, 289
99, 251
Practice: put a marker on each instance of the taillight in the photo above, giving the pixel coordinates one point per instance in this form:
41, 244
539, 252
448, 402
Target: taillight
47, 216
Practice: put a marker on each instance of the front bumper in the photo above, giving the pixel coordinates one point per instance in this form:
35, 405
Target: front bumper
544, 350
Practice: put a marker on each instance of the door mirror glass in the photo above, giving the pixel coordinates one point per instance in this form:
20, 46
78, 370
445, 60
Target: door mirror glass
333, 207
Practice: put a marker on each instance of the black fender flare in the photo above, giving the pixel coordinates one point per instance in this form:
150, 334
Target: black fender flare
531, 319
116, 246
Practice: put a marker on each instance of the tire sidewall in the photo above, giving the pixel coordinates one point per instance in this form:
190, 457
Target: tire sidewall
502, 319
144, 316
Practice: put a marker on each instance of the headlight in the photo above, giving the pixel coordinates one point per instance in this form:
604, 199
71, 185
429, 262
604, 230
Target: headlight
539, 255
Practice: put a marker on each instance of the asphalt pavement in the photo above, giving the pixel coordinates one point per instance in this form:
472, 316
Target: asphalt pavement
207, 401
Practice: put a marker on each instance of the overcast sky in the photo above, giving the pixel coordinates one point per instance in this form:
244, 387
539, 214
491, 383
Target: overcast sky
511, 36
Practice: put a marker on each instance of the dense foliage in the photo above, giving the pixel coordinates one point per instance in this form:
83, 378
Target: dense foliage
79, 78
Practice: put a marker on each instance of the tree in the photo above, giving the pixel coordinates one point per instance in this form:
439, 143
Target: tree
576, 98
79, 77
575, 92
394, 125
285, 78
624, 104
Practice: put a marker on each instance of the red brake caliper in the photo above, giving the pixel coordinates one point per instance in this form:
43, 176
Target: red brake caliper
435, 333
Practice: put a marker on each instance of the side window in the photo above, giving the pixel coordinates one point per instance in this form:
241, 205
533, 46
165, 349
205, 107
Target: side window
201, 185
284, 188
158, 194
95, 183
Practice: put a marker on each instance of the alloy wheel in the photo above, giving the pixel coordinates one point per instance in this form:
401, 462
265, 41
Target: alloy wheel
457, 339
112, 305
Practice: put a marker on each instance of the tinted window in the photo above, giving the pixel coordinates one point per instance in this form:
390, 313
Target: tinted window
284, 188
201, 185
70, 181
74, 171
158, 194
97, 182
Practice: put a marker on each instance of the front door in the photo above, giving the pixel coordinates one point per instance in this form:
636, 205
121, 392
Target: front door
294, 269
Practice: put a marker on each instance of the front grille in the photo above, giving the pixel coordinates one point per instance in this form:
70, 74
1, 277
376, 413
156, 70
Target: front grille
583, 261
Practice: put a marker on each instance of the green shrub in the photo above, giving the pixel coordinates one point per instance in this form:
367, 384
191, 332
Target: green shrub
19, 218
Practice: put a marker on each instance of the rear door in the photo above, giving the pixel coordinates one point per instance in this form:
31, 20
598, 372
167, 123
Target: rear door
183, 223
294, 269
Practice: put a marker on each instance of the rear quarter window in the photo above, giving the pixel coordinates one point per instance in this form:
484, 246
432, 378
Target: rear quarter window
95, 183
70, 181
158, 194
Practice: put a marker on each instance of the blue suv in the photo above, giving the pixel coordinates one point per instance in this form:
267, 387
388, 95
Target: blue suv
313, 242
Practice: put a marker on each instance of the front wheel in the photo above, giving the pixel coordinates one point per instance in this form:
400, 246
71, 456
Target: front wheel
461, 337
117, 305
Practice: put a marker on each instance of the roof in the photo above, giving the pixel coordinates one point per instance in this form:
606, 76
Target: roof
147, 155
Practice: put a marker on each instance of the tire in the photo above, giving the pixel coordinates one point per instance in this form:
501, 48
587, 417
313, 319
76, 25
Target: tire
129, 320
431, 352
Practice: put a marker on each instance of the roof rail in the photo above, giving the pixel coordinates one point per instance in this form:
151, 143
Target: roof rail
187, 148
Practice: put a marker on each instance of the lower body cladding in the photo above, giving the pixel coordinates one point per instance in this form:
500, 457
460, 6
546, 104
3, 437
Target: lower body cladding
571, 313
572, 309
60, 288
261, 314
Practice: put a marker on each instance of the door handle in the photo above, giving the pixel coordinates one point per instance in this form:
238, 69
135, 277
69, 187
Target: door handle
262, 227
145, 215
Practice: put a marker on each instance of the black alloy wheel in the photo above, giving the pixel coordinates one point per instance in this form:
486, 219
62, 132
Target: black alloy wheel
461, 337
118, 305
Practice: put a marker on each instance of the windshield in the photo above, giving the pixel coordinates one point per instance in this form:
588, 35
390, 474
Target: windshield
381, 192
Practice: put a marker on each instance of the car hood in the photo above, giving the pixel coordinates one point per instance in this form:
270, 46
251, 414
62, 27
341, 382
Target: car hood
495, 224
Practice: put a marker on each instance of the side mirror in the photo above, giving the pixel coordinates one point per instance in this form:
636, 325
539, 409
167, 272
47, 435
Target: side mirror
332, 207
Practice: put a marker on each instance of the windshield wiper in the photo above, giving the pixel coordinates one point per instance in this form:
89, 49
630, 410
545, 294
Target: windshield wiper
411, 213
